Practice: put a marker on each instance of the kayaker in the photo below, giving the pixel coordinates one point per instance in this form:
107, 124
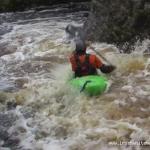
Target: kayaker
86, 64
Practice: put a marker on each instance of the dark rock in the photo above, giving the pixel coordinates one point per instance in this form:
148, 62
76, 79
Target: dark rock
119, 21
20, 82
11, 105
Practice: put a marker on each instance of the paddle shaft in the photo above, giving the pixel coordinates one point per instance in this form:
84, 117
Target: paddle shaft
101, 55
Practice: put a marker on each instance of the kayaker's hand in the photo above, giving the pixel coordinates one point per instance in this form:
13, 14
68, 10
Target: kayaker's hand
111, 68
107, 68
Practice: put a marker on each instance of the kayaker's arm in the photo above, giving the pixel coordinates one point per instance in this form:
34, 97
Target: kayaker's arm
107, 68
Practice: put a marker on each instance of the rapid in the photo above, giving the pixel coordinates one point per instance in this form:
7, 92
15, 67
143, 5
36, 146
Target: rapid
39, 110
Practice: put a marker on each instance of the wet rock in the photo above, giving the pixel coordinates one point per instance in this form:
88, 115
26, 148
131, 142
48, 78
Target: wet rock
11, 105
20, 82
119, 21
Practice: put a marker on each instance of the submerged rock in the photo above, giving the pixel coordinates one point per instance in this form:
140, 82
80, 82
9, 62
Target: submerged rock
119, 21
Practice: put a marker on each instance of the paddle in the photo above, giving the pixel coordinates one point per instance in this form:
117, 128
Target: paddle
100, 55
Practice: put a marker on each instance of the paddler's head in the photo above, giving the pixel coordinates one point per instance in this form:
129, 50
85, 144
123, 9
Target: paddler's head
80, 46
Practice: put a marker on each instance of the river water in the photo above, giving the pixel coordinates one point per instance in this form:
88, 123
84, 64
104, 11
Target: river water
39, 111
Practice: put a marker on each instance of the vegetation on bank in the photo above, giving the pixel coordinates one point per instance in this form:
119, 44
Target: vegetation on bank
121, 22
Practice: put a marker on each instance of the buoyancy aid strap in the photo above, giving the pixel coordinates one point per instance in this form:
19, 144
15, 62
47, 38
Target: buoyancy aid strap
90, 70
87, 60
78, 62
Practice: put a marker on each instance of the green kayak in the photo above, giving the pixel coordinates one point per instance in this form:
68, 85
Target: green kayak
92, 85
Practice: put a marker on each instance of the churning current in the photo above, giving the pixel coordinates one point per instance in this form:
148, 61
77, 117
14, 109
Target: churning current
38, 109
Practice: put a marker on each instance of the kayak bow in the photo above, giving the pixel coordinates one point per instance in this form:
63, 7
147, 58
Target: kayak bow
91, 85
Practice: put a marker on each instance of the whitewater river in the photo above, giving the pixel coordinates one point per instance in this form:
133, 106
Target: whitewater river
38, 109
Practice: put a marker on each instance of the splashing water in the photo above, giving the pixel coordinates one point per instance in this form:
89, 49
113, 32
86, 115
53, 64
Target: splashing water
52, 116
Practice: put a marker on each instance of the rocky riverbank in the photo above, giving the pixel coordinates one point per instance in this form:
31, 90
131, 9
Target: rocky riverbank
119, 21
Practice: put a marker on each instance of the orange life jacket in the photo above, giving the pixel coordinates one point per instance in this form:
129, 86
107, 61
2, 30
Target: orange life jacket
85, 64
